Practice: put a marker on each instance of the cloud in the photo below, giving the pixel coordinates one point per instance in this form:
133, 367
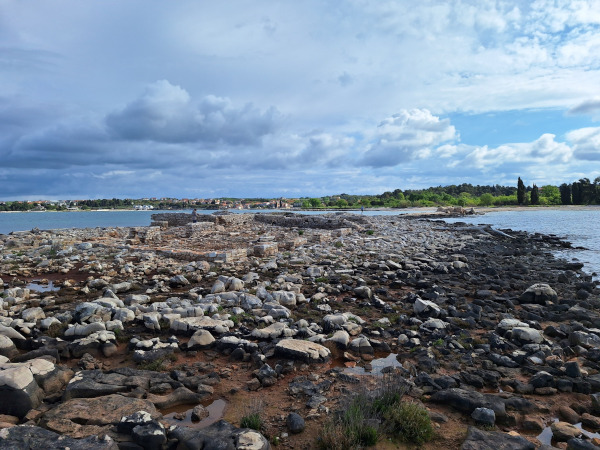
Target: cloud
166, 113
544, 151
408, 135
586, 143
590, 106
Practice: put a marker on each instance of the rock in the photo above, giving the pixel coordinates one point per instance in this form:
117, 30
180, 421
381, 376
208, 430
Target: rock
590, 421
20, 390
275, 330
363, 292
217, 287
180, 396
234, 284
484, 416
199, 412
494, 440
178, 281
580, 444
95, 413
151, 436
539, 294
128, 423
341, 339
200, 340
31, 437
7, 347
526, 335
220, 435
568, 414
302, 350
563, 431
467, 401
33, 314
426, 308
295, 423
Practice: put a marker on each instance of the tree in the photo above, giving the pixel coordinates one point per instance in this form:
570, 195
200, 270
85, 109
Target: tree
565, 194
520, 192
315, 203
551, 194
576, 193
535, 195
486, 199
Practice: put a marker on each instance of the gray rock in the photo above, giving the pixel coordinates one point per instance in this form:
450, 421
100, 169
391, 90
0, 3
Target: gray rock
302, 350
539, 293
33, 314
151, 436
199, 412
484, 416
526, 335
24, 437
7, 347
494, 440
201, 339
295, 423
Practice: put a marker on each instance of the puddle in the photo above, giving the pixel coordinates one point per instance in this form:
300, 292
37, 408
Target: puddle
36, 286
545, 437
377, 365
216, 411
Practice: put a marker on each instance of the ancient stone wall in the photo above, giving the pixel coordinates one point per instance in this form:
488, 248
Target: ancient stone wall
326, 221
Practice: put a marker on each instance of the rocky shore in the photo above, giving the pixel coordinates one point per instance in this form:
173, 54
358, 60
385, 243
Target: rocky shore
168, 336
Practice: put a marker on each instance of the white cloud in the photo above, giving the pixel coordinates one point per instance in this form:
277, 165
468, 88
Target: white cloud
406, 136
586, 143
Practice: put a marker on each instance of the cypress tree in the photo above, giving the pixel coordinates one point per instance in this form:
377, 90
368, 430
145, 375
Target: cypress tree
535, 195
565, 194
520, 192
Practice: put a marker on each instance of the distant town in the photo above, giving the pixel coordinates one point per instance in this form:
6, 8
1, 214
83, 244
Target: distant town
153, 203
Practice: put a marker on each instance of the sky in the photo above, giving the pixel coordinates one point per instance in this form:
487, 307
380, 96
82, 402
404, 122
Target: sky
194, 99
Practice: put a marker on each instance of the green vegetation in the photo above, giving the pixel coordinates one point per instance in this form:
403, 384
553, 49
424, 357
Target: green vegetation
581, 192
252, 417
368, 416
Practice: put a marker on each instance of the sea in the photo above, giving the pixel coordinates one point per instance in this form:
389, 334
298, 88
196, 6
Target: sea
578, 226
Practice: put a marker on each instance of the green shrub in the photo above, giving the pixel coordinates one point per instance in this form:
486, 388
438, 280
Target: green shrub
370, 232
251, 421
252, 415
156, 366
409, 422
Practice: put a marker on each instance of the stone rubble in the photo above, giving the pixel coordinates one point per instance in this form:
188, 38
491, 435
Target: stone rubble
487, 326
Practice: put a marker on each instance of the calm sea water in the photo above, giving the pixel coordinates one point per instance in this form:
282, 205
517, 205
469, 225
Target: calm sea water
580, 227
23, 221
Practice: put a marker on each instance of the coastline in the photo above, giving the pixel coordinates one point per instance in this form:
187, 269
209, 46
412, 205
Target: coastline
437, 301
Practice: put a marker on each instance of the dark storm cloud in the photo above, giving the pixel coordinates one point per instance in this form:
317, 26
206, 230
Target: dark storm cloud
166, 113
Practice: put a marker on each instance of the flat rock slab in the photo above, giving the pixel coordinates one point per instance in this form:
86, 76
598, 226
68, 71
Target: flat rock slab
95, 413
303, 350
494, 440
26, 437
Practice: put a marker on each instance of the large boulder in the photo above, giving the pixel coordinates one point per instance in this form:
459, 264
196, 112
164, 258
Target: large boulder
539, 294
303, 350
23, 385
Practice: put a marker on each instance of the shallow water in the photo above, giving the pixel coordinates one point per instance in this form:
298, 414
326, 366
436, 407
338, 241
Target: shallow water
216, 411
377, 365
579, 227
545, 437
24, 221
40, 287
